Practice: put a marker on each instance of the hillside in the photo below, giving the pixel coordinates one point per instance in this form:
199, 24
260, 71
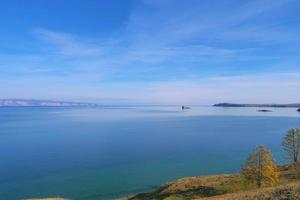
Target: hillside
289, 191
228, 186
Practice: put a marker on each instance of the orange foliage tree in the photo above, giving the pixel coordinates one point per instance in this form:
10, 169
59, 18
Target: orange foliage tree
259, 167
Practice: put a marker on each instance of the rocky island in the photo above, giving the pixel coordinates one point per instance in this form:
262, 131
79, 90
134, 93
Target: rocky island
292, 105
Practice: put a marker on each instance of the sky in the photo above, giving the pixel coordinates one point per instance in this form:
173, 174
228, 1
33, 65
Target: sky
151, 51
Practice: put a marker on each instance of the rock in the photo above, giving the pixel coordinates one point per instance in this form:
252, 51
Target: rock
185, 107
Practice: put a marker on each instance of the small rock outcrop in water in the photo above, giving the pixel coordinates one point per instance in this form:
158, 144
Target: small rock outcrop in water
298, 110
185, 107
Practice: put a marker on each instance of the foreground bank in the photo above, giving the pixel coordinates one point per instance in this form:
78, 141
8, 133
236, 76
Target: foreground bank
228, 186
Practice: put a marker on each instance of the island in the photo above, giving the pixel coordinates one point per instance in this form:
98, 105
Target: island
40, 103
264, 110
292, 105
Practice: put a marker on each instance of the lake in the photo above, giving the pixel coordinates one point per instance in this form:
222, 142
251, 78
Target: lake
111, 152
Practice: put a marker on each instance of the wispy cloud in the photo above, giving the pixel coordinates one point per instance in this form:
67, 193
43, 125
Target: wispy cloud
68, 44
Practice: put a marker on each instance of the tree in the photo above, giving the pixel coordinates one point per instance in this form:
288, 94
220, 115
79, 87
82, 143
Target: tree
259, 168
291, 143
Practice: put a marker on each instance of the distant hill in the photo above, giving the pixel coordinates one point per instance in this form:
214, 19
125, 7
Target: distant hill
39, 103
292, 105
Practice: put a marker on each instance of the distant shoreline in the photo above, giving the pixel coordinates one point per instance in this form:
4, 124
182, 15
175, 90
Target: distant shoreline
294, 105
42, 103
53, 103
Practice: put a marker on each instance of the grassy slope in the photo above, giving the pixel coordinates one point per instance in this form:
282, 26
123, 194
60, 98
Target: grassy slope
289, 191
225, 187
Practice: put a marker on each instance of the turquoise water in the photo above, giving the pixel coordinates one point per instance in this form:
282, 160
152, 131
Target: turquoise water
106, 153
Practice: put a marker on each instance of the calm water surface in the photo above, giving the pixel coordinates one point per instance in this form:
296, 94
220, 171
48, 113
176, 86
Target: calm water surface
106, 153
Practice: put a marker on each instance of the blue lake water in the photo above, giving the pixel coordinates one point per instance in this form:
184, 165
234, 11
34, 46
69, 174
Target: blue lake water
106, 153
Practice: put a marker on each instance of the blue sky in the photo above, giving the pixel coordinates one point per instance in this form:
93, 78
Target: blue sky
151, 51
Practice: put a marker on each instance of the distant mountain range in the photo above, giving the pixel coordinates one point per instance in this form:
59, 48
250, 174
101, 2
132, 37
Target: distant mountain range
39, 103
292, 105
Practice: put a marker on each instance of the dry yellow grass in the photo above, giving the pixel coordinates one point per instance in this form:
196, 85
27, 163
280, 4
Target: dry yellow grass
285, 192
227, 187
195, 187
189, 183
